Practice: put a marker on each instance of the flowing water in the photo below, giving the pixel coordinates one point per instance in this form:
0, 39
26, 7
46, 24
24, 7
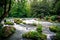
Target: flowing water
23, 28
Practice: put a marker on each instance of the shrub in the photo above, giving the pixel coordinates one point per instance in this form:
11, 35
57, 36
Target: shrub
34, 36
54, 29
7, 31
17, 21
53, 18
39, 28
8, 23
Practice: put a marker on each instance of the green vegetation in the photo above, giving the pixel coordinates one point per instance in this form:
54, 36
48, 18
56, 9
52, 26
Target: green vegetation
46, 18
39, 28
53, 18
8, 23
17, 21
7, 31
54, 29
34, 36
34, 9
34, 24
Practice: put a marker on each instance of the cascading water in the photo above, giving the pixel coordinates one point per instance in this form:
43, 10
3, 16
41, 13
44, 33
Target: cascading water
20, 29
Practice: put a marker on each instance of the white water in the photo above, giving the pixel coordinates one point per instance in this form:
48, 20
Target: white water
25, 28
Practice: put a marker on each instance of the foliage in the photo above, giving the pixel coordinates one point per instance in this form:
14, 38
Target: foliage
20, 9
34, 35
57, 8
7, 31
54, 29
47, 18
8, 23
53, 18
17, 21
39, 29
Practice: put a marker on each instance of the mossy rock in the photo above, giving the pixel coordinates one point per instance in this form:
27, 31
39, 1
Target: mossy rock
54, 29
7, 31
8, 23
17, 21
34, 36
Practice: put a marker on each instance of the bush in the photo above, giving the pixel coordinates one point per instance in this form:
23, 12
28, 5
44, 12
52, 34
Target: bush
54, 29
53, 18
34, 36
7, 31
39, 28
8, 23
17, 21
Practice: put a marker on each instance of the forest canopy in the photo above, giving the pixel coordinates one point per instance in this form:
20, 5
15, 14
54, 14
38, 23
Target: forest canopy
31, 8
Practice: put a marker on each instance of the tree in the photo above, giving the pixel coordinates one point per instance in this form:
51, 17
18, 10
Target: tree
40, 9
5, 5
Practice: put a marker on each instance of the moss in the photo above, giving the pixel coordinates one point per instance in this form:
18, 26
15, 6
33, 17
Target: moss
39, 28
24, 22
34, 36
54, 29
46, 18
17, 21
53, 18
34, 24
8, 23
7, 31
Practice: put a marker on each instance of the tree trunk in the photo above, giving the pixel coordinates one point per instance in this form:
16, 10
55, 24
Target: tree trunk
5, 12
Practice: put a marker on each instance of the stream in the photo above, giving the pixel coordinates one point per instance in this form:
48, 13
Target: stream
23, 28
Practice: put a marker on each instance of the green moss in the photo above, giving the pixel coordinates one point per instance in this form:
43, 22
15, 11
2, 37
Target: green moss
8, 23
46, 18
54, 29
34, 36
24, 22
39, 28
53, 18
7, 31
17, 21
